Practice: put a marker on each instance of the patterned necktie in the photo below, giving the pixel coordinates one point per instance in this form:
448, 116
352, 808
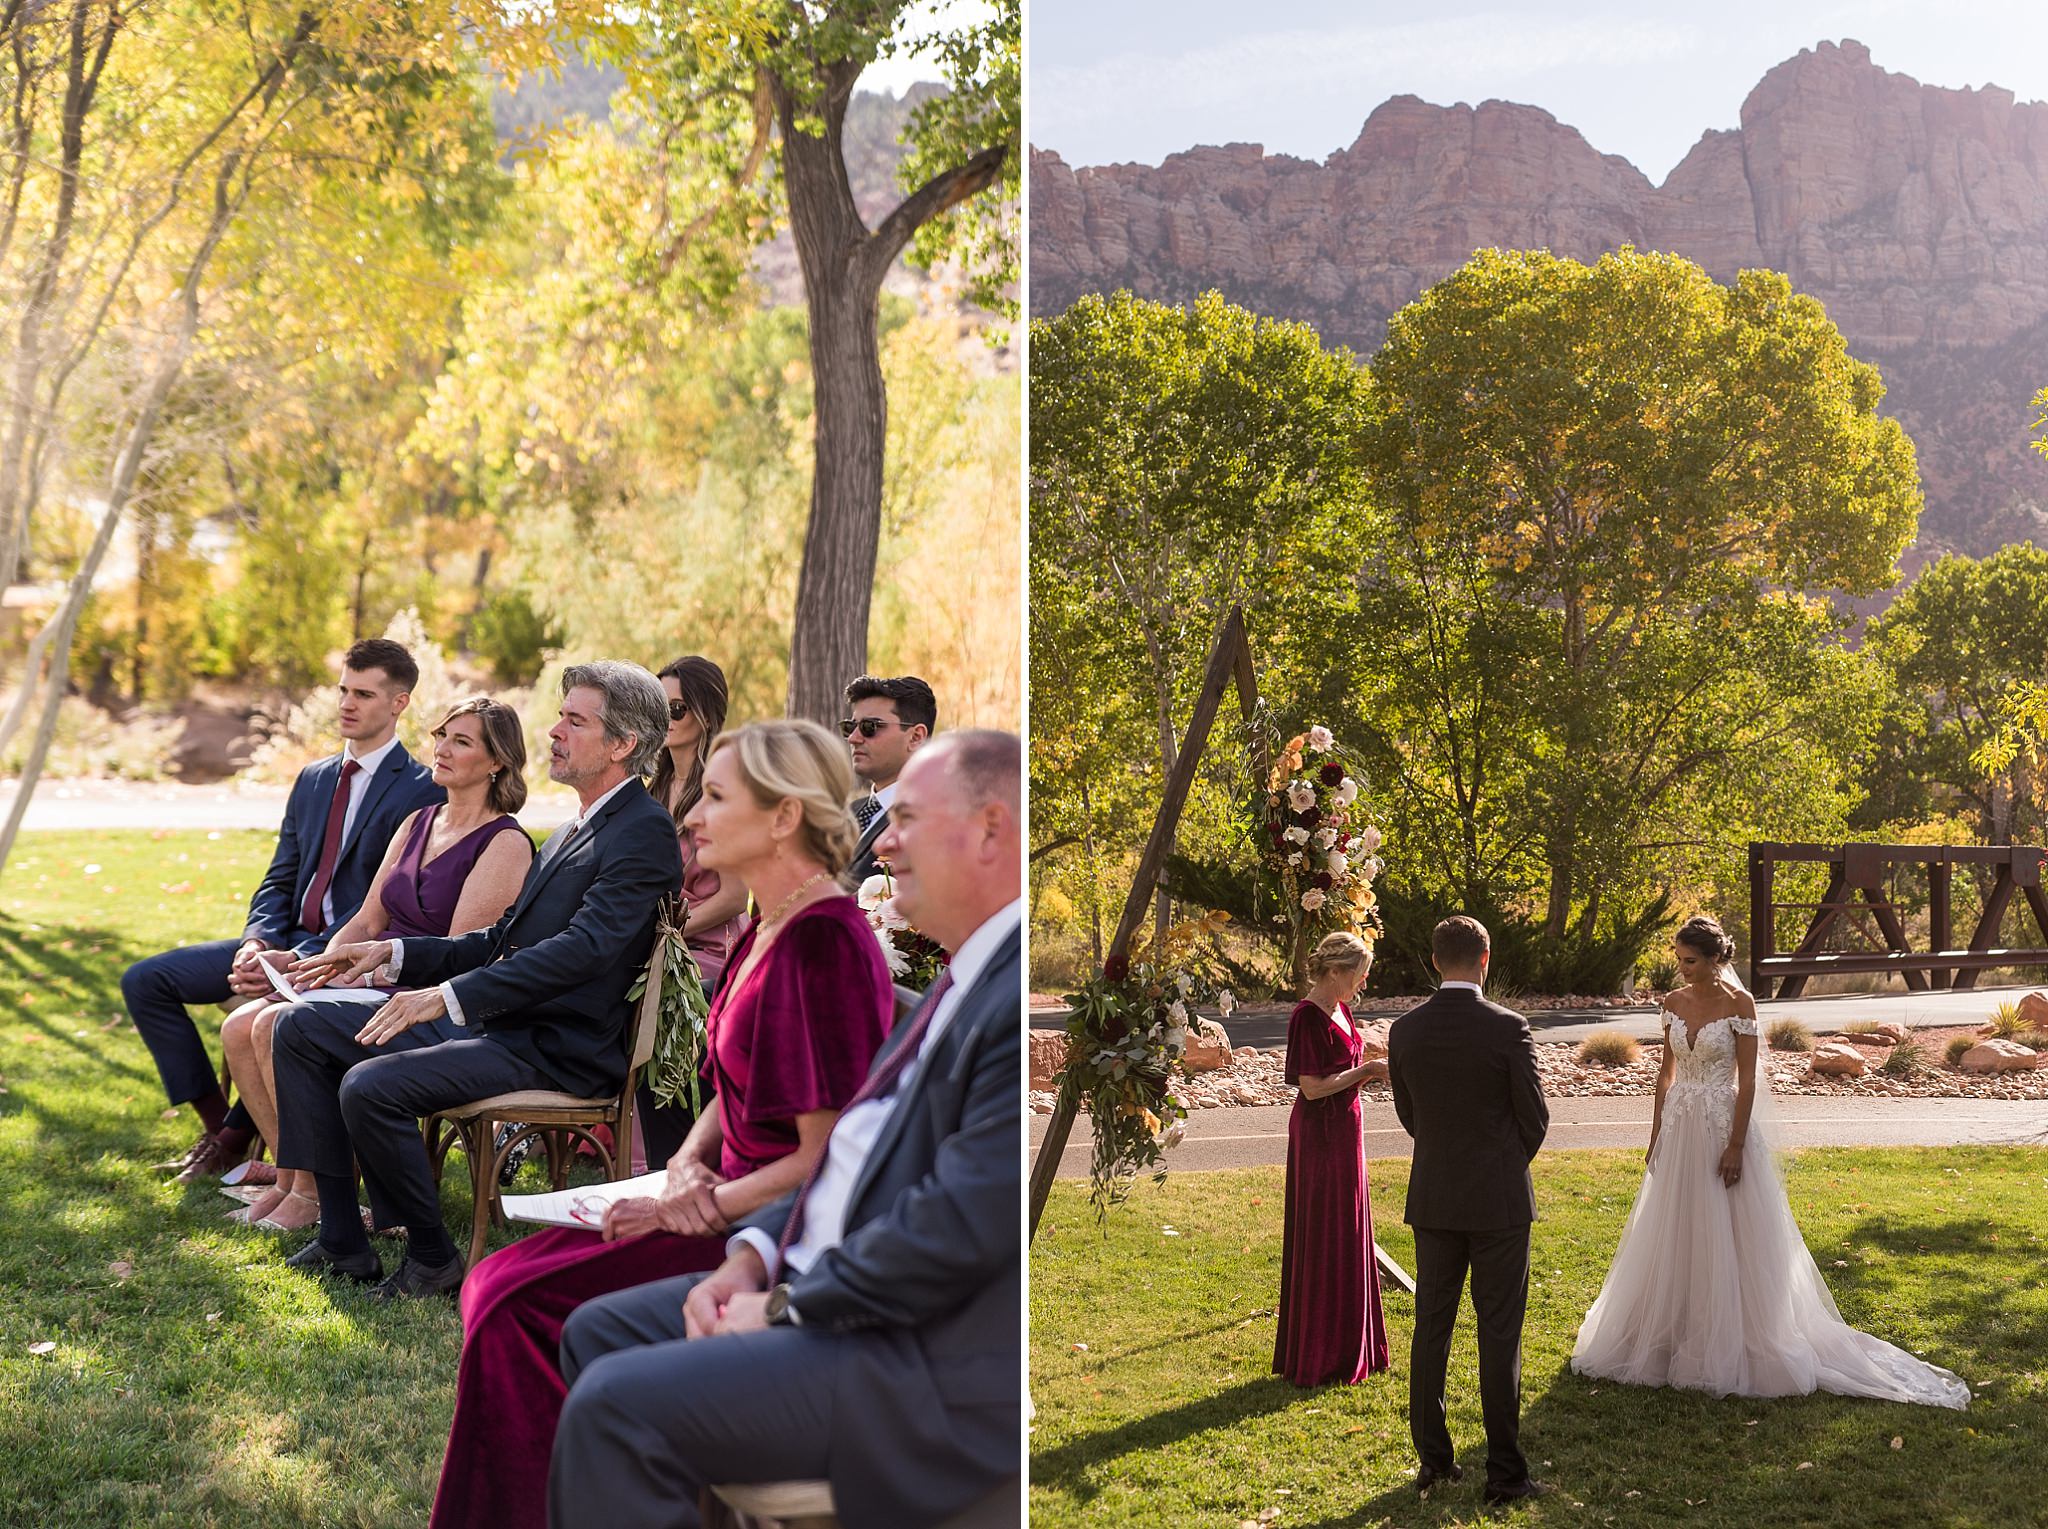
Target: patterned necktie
311, 916
864, 810
880, 1081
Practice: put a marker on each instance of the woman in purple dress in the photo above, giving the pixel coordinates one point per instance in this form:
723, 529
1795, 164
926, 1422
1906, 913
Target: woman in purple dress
450, 868
804, 1006
1330, 1323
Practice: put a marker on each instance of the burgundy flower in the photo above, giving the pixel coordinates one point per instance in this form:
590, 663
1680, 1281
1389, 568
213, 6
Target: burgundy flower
1308, 817
1333, 774
1116, 968
1325, 880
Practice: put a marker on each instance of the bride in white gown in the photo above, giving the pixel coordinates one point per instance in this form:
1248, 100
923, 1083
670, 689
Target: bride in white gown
1712, 1287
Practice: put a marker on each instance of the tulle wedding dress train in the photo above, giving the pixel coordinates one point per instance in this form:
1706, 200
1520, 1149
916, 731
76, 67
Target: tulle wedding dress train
1712, 1287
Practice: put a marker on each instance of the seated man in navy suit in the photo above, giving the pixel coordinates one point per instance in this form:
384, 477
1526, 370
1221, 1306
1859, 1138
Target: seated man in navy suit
876, 1340
536, 1001
328, 851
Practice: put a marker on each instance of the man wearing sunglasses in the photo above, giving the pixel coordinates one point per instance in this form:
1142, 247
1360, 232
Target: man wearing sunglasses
887, 721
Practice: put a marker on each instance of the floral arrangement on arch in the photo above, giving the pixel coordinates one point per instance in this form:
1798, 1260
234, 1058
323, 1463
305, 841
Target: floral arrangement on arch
1127, 1032
913, 960
1316, 842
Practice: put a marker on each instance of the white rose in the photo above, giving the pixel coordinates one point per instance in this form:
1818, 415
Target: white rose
1324, 838
1337, 864
1313, 899
1369, 839
1320, 740
1181, 981
1371, 868
1347, 791
873, 892
892, 916
1295, 858
1178, 1013
1301, 796
1296, 835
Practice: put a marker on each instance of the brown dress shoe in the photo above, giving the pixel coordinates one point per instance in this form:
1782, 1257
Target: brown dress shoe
191, 1156
209, 1159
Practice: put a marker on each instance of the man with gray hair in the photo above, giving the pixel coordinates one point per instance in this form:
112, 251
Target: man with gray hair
536, 1001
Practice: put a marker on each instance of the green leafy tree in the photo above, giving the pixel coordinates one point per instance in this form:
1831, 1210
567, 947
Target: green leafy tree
1606, 485
730, 87
1182, 461
1955, 644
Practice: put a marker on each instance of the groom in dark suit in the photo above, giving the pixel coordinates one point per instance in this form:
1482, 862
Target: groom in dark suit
1463, 1073
536, 1001
338, 820
875, 1341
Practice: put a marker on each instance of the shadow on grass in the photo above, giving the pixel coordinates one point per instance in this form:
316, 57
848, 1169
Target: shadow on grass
1066, 1465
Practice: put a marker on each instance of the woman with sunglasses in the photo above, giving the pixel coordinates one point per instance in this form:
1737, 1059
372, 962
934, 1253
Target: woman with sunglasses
696, 715
797, 1020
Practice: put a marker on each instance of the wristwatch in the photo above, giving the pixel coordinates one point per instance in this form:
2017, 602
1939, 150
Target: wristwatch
779, 1312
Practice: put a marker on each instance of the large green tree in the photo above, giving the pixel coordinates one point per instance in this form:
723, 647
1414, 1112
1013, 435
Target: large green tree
744, 89
1615, 492
1955, 644
1182, 461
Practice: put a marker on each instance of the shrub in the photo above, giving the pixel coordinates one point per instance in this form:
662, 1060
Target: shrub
1908, 1059
1952, 1053
1608, 1048
1860, 1027
2005, 1021
2033, 1040
1790, 1035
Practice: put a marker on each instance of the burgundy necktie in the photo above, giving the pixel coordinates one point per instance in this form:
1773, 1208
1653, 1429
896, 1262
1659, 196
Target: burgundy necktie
310, 916
879, 1082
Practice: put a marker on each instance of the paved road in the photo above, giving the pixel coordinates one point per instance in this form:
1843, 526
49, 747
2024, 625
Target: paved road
1256, 1136
123, 804
1267, 1026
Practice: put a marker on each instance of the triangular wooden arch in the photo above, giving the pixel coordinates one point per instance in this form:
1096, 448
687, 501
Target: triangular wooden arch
1230, 658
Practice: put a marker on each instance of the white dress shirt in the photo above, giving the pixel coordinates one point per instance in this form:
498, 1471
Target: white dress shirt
887, 795
1471, 987
559, 843
855, 1133
366, 766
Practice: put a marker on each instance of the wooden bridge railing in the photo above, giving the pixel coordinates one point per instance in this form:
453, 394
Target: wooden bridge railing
1856, 886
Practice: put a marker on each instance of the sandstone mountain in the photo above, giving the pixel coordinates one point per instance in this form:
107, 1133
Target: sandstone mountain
1918, 215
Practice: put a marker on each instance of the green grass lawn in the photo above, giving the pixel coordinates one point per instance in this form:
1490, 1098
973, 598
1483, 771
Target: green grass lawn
1151, 1356
195, 1380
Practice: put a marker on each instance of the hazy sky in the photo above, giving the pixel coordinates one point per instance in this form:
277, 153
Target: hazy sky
1110, 80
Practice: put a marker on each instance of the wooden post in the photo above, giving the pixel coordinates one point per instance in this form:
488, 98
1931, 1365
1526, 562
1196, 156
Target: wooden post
1230, 656
1940, 920
1763, 917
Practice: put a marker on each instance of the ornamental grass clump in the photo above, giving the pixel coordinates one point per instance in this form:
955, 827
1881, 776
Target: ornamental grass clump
1958, 1046
1790, 1035
1908, 1059
1608, 1048
2006, 1023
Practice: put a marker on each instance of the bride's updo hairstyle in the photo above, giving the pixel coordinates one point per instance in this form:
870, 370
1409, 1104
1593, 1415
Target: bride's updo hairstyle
1704, 935
1338, 952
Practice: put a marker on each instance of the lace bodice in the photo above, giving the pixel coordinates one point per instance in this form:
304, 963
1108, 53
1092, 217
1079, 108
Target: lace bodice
1705, 1076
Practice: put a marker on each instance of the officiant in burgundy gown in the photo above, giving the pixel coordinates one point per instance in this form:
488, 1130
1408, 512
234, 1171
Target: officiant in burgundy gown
1330, 1324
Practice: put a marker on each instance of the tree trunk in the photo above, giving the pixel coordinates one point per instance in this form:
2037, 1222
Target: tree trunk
843, 265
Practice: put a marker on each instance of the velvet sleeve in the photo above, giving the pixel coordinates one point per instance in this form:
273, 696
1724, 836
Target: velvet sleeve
822, 1011
1311, 1045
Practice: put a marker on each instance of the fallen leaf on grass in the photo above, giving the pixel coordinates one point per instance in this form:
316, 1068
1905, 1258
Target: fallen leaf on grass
1632, 1492
1080, 1348
1897, 1442
120, 1268
213, 1316
45, 1347
1167, 1231
1805, 1465
169, 1114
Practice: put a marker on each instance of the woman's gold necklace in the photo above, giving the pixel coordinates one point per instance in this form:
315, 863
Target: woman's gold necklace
775, 918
